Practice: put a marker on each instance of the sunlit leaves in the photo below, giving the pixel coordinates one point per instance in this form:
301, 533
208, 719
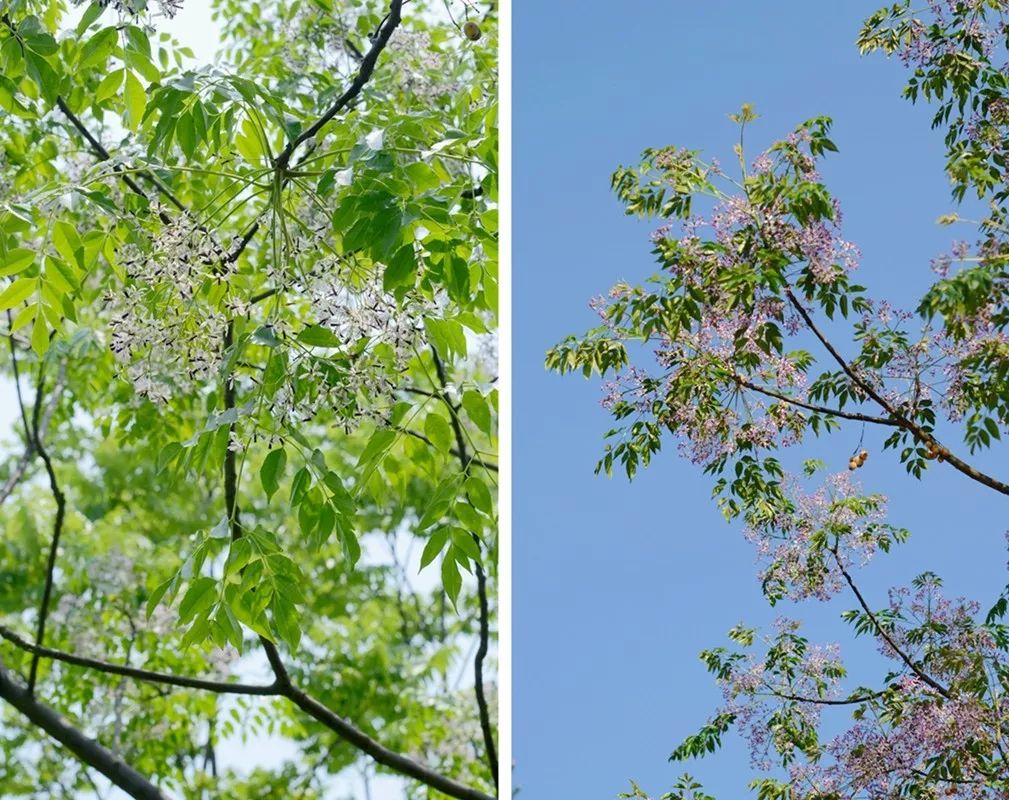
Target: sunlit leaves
283, 482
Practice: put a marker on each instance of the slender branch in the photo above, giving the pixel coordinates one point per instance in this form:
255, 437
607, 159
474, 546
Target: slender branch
17, 383
144, 675
97, 146
364, 73
29, 453
61, 508
473, 460
833, 412
481, 579
924, 676
87, 750
901, 419
481, 654
285, 687
820, 701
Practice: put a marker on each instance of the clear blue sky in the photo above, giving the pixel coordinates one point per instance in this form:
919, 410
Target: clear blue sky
618, 586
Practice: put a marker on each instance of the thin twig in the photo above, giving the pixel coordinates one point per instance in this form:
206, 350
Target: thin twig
61, 508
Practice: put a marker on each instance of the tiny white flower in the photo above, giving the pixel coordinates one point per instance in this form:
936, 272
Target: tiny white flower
375, 139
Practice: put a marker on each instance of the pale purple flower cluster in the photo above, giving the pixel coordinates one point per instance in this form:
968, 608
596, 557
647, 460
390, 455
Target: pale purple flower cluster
804, 549
754, 690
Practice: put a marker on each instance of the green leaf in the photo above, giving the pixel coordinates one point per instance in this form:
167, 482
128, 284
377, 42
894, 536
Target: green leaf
93, 12
401, 270
16, 260
159, 593
465, 542
437, 429
19, 291
477, 409
317, 336
272, 470
266, 336
136, 101
198, 597
447, 336
479, 495
185, 134
110, 85
451, 579
375, 451
435, 544
442, 499
67, 242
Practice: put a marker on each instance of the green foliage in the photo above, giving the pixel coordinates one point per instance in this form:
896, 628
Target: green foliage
270, 381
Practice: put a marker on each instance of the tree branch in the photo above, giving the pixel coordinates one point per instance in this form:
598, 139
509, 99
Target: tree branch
29, 453
833, 412
820, 701
61, 508
473, 460
381, 39
87, 750
286, 688
881, 631
902, 420
144, 675
481, 579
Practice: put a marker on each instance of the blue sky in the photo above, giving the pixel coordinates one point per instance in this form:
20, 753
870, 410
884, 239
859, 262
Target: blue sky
617, 586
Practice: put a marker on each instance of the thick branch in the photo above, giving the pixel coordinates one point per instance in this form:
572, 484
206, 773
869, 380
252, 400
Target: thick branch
382, 755
87, 750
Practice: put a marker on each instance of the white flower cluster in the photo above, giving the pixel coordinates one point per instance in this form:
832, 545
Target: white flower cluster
78, 614
425, 71
464, 732
168, 8
375, 337
162, 335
